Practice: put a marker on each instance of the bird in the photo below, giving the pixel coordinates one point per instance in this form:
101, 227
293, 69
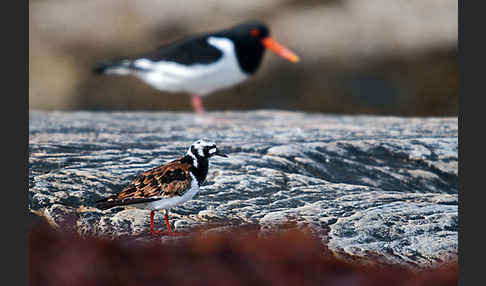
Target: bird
201, 64
168, 185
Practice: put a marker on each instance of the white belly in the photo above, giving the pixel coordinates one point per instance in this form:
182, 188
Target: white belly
169, 203
199, 79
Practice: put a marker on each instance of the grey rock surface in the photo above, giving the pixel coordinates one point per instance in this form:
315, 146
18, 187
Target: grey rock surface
367, 185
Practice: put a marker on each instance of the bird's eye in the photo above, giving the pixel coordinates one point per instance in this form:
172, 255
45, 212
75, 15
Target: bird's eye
255, 32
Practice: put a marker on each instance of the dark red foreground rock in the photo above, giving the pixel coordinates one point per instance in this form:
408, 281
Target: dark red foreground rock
240, 257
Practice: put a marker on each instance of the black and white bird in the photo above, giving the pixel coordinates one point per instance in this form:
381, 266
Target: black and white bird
201, 64
167, 186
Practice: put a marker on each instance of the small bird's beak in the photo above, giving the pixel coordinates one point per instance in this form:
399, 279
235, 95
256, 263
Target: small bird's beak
280, 50
219, 153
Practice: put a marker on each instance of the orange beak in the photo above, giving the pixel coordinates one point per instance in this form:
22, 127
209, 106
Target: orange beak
280, 50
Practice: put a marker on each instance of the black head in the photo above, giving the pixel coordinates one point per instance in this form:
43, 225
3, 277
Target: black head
204, 149
253, 31
247, 38
251, 39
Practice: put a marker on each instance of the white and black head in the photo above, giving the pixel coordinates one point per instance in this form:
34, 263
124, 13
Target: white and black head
199, 154
250, 40
204, 149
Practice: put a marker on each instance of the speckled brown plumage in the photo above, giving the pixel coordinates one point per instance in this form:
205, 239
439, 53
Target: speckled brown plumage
166, 181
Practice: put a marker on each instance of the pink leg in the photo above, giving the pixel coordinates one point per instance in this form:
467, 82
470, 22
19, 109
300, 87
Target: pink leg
197, 104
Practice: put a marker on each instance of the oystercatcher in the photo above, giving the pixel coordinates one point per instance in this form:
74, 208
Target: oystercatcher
202, 64
167, 186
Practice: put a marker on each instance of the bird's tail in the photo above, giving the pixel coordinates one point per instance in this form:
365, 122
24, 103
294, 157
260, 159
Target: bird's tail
106, 203
120, 67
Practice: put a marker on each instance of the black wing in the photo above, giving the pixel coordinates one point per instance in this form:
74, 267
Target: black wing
190, 51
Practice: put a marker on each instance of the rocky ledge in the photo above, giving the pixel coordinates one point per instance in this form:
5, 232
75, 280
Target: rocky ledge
367, 185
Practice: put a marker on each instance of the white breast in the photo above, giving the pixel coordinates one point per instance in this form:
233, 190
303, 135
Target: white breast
199, 79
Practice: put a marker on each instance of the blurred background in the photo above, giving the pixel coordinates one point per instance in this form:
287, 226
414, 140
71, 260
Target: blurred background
357, 57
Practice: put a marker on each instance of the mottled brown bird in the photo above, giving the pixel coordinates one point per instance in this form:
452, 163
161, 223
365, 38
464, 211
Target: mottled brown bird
167, 186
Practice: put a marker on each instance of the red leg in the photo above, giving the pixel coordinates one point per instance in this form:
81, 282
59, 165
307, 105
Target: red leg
154, 232
160, 232
169, 229
197, 104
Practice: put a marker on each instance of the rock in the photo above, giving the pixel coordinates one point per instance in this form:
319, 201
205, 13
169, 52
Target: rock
402, 228
367, 185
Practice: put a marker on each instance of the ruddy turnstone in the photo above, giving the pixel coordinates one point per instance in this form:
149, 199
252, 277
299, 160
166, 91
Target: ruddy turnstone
167, 186
202, 64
